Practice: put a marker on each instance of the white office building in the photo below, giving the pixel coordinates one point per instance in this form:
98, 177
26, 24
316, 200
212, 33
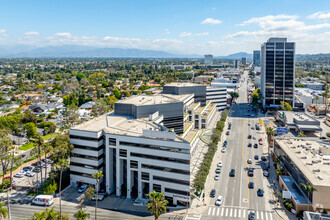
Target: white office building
208, 59
218, 96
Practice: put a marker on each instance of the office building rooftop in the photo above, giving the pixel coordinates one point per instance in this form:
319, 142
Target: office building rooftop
311, 157
155, 99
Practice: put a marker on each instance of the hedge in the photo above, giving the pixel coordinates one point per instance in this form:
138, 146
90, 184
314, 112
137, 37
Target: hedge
212, 148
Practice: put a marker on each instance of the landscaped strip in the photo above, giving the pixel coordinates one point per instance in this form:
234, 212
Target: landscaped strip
212, 148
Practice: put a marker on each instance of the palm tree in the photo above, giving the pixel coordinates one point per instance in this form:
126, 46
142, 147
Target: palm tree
40, 143
49, 214
47, 149
270, 133
3, 211
325, 98
81, 215
157, 203
280, 171
309, 188
61, 163
97, 176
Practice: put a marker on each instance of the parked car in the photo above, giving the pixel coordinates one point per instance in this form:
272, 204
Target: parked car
218, 170
225, 143
232, 173
250, 145
19, 175
28, 168
220, 164
252, 215
251, 185
223, 150
266, 174
100, 197
255, 145
250, 172
82, 188
30, 174
216, 177
212, 194
256, 157
227, 133
263, 158
219, 201
249, 136
36, 170
249, 161
260, 192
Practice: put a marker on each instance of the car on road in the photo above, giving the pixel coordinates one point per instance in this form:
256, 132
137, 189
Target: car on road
44, 200
261, 143
100, 197
254, 137
219, 201
266, 174
250, 145
30, 174
249, 137
225, 143
260, 139
249, 124
260, 192
323, 138
251, 185
36, 170
252, 128
263, 158
223, 150
19, 175
216, 177
256, 157
232, 173
212, 193
250, 172
218, 170
220, 164
227, 133
82, 188
252, 215
249, 161
28, 168
255, 145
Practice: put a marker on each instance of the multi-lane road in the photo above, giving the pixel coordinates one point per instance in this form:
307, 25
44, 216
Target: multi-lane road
238, 199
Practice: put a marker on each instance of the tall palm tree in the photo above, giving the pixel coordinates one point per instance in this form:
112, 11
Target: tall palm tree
97, 176
3, 211
49, 214
47, 148
270, 133
157, 204
325, 98
40, 143
309, 188
81, 215
61, 163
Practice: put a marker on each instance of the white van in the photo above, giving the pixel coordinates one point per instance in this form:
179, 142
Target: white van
45, 200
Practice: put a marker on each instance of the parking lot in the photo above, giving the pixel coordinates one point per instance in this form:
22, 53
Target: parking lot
29, 175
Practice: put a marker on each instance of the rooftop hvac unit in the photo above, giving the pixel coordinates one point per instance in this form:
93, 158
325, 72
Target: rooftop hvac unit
298, 152
303, 157
326, 163
309, 164
320, 177
316, 170
314, 161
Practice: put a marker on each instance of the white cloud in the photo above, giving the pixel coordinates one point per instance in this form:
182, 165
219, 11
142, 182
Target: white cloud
64, 34
211, 21
320, 15
189, 34
31, 33
2, 31
185, 34
167, 31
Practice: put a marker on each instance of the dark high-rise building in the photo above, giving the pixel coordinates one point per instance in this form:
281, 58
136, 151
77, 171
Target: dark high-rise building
277, 72
236, 64
244, 61
256, 57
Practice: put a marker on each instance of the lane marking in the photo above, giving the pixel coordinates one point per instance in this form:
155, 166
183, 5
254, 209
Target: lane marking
222, 210
267, 215
262, 215
213, 212
218, 210
244, 213
231, 212
239, 213
271, 216
209, 212
235, 212
257, 214
226, 212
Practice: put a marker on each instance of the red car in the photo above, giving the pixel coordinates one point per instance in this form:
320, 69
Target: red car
260, 139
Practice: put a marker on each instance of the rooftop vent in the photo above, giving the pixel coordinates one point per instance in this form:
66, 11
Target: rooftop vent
303, 157
309, 164
314, 161
298, 152
308, 144
320, 177
316, 170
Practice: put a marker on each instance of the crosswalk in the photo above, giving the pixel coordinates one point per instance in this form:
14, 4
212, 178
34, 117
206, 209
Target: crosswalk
193, 217
237, 212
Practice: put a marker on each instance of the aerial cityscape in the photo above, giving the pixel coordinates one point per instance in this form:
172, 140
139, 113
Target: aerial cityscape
182, 110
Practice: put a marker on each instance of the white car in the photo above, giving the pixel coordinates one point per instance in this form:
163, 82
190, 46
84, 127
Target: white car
82, 188
30, 174
223, 150
220, 164
18, 175
217, 176
219, 201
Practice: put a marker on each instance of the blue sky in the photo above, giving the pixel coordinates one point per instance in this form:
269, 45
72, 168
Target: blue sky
219, 27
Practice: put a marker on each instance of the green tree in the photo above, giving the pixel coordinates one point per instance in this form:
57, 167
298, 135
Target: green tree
80, 76
70, 116
29, 117
49, 188
116, 92
97, 176
3, 211
47, 148
81, 215
328, 134
70, 99
30, 130
309, 188
61, 164
100, 107
110, 100
234, 95
39, 145
285, 106
270, 133
6, 148
157, 204
49, 214
301, 134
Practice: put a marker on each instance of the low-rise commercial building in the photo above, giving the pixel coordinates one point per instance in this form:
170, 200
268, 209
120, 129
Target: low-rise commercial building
217, 95
307, 162
299, 121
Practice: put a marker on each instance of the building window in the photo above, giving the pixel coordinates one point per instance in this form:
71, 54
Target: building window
145, 176
123, 153
203, 126
134, 164
112, 141
169, 159
157, 188
175, 191
156, 147
170, 180
165, 169
196, 116
203, 120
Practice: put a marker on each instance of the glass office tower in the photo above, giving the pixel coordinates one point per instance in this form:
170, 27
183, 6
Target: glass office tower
277, 72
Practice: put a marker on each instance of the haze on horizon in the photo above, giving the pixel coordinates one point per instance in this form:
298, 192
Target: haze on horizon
179, 27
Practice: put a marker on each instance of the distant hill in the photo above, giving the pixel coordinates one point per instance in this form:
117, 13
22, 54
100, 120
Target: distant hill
236, 56
320, 58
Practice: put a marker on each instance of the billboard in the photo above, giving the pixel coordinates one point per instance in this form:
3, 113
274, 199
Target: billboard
266, 121
281, 130
286, 194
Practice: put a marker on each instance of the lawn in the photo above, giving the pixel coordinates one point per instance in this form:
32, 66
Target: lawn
49, 136
26, 146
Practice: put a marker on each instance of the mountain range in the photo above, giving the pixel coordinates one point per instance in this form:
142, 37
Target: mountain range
79, 51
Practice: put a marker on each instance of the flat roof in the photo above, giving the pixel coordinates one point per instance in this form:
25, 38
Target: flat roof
294, 189
306, 155
122, 125
183, 84
154, 99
